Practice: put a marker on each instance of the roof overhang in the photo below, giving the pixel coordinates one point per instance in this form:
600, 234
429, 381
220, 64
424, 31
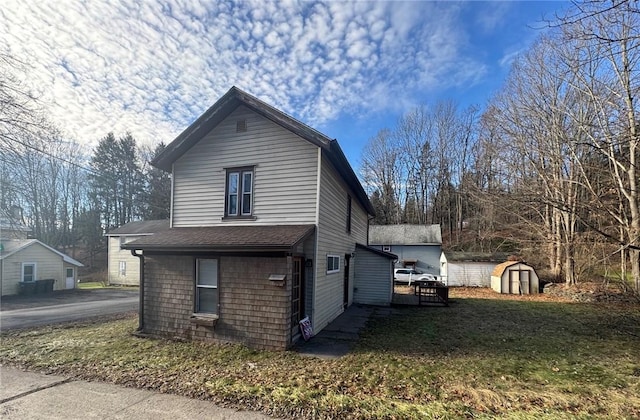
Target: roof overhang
225, 239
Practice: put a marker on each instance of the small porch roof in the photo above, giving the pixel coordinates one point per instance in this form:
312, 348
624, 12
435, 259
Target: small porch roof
225, 239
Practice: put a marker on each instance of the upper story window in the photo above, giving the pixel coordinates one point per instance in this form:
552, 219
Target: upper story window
348, 214
239, 192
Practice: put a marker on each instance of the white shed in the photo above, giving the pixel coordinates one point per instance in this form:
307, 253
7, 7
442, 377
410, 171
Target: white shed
515, 277
468, 268
373, 283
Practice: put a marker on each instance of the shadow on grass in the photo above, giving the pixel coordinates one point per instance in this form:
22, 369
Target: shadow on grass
498, 327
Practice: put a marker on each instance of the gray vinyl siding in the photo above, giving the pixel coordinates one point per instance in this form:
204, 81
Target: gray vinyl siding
132, 274
427, 256
285, 178
333, 239
373, 283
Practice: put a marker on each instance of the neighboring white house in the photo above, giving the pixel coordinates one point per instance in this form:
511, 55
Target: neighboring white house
10, 229
29, 261
515, 277
468, 268
417, 246
266, 218
124, 268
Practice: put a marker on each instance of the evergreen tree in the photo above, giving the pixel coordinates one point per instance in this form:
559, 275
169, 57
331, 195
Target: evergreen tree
158, 205
117, 182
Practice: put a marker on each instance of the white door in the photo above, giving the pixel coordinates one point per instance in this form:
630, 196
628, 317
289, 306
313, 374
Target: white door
70, 279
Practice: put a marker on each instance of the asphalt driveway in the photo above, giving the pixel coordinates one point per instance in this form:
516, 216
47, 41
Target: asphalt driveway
64, 306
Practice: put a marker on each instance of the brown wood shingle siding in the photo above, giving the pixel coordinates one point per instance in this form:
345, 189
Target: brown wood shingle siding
252, 309
284, 182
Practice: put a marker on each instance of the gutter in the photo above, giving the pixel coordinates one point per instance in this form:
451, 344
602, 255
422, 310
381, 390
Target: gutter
141, 304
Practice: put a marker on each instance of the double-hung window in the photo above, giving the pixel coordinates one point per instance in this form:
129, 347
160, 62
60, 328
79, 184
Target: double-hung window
207, 286
28, 272
239, 192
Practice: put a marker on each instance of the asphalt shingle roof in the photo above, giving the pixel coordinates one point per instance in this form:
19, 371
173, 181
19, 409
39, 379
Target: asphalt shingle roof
141, 227
405, 235
224, 238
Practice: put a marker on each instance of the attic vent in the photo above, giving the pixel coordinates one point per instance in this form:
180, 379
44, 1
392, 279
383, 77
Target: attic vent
241, 126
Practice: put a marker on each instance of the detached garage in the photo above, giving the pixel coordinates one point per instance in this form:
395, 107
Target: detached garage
515, 277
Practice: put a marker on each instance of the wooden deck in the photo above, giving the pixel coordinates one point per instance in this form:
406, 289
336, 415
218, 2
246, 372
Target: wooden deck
420, 294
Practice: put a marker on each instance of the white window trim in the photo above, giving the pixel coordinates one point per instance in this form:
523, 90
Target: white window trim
335, 270
206, 286
240, 212
122, 272
66, 271
243, 193
35, 270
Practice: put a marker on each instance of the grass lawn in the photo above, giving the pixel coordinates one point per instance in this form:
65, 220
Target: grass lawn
478, 358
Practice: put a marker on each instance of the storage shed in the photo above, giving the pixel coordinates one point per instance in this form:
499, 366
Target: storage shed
515, 277
373, 283
468, 268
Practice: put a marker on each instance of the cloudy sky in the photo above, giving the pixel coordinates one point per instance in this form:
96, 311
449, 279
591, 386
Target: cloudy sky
347, 69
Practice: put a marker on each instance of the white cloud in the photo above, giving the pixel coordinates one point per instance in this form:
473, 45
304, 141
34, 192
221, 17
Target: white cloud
152, 68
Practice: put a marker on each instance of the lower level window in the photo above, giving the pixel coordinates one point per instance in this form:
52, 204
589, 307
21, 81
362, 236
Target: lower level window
207, 286
122, 270
28, 272
333, 264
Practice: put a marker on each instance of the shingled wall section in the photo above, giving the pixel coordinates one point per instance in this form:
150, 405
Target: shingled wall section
253, 310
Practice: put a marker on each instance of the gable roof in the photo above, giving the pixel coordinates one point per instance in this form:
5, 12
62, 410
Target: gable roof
13, 246
500, 268
236, 97
461, 256
405, 235
225, 238
385, 254
141, 227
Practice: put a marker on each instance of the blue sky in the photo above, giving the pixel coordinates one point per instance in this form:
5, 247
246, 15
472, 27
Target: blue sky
347, 69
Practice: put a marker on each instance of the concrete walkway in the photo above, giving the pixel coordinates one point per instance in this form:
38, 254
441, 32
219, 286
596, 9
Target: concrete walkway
340, 336
29, 395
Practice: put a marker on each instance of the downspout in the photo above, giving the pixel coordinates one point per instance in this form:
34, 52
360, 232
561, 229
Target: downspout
141, 304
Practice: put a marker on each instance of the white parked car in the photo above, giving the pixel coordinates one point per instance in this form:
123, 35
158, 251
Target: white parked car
408, 275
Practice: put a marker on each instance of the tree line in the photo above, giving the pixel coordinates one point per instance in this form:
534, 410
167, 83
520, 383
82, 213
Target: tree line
548, 169
67, 195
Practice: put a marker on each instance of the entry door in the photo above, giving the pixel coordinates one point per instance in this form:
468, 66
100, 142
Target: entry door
70, 282
297, 294
347, 259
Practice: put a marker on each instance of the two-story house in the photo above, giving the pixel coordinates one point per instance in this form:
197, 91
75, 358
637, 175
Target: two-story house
266, 213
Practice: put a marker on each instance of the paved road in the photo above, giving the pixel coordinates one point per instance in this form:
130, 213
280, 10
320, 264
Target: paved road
65, 307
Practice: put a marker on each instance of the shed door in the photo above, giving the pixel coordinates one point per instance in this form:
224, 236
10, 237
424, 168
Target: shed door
514, 281
524, 281
70, 278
